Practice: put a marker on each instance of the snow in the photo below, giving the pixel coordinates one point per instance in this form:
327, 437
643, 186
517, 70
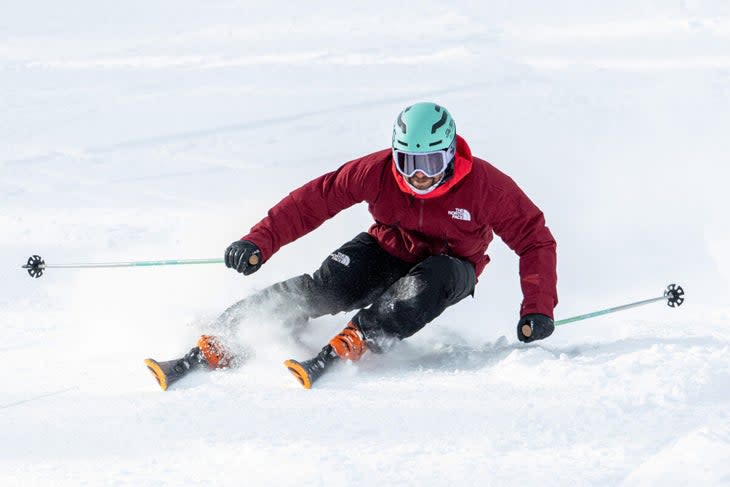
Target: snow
147, 130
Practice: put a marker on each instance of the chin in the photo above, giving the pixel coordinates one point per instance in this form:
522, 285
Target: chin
419, 190
422, 185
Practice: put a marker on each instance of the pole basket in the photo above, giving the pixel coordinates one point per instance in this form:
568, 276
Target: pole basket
674, 295
35, 266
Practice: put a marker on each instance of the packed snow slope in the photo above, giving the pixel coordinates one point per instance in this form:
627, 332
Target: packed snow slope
149, 130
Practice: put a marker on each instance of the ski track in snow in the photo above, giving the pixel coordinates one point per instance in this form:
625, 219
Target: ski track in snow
135, 132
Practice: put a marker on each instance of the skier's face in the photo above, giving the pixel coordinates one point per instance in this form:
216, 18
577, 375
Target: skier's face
422, 182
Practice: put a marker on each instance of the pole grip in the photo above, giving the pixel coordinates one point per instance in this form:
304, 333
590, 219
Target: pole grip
527, 330
254, 259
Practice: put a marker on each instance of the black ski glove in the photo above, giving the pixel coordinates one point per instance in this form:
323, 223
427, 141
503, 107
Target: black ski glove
243, 256
534, 327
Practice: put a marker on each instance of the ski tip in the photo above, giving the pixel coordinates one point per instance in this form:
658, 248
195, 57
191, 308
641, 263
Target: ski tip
156, 370
299, 372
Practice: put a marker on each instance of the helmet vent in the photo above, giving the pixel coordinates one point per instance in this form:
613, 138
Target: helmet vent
440, 123
402, 143
401, 124
436, 143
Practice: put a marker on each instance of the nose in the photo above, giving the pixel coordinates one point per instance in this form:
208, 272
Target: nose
420, 175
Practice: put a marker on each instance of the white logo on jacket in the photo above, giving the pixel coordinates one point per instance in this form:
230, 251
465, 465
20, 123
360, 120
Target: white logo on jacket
460, 214
341, 258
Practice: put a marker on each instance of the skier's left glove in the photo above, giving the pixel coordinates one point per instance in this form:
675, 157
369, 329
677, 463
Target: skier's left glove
244, 256
534, 327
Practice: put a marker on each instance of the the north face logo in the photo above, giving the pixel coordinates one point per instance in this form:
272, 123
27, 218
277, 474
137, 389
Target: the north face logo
341, 258
460, 214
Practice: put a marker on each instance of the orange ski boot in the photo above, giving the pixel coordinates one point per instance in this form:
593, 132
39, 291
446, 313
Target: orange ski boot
209, 352
216, 355
347, 345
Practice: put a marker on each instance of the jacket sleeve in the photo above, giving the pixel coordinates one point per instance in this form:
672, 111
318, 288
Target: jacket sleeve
521, 225
307, 207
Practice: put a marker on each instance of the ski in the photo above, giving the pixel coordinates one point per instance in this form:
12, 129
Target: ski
170, 371
209, 353
308, 371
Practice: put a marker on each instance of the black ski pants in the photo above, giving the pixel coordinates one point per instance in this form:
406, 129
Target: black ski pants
395, 298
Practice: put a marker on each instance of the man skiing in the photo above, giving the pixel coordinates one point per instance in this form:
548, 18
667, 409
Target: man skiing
436, 208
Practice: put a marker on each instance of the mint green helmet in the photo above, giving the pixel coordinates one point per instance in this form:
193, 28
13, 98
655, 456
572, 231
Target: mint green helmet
423, 127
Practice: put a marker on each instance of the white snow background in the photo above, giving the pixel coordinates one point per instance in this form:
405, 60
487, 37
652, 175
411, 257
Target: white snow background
149, 130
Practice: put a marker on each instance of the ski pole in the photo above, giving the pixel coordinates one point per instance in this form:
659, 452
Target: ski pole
674, 295
36, 265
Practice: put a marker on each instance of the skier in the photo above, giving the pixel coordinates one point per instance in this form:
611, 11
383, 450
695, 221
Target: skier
436, 208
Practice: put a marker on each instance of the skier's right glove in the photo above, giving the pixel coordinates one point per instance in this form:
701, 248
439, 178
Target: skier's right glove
244, 256
534, 327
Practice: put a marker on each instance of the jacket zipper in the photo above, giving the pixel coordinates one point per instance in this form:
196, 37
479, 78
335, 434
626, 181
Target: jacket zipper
420, 216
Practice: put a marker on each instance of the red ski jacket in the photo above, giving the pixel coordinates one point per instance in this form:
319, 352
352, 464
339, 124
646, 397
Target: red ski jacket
458, 218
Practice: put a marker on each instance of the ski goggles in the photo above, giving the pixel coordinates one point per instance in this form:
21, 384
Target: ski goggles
429, 163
